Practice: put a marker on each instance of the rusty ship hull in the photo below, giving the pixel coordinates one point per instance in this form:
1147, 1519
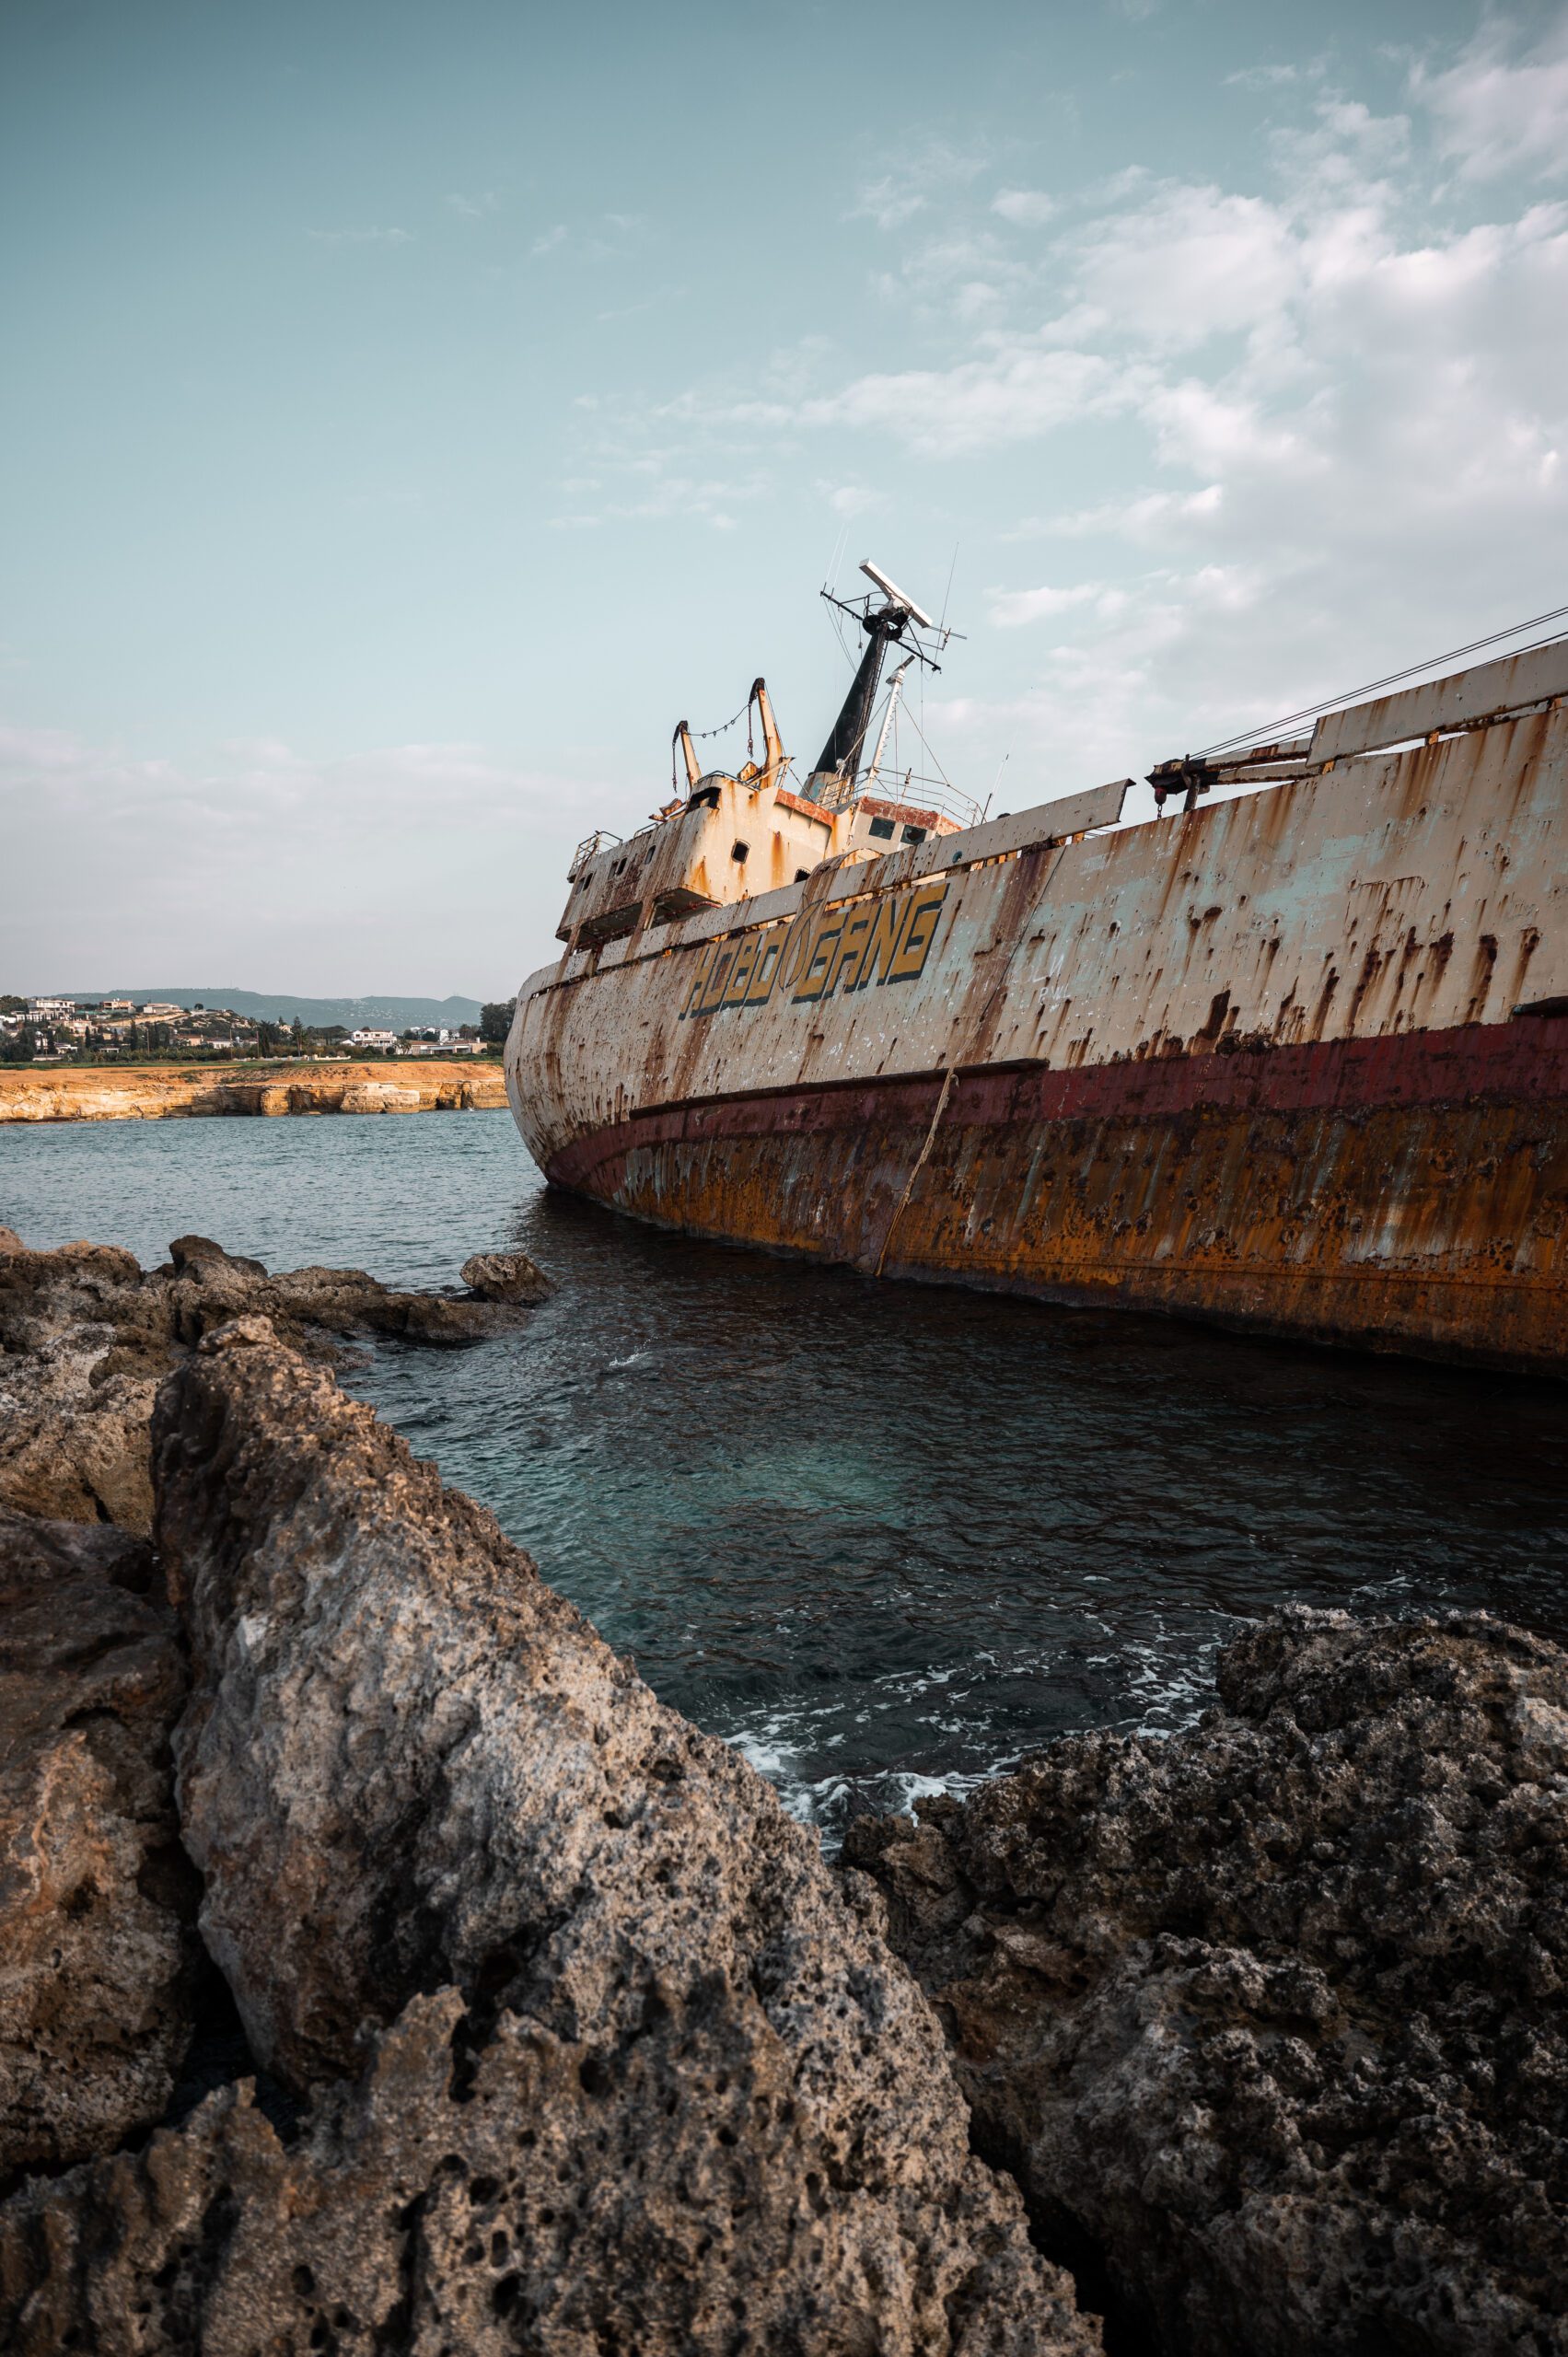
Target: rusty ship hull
1296, 1060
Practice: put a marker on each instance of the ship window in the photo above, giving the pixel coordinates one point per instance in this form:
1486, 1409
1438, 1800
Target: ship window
883, 827
738, 851
913, 834
801, 874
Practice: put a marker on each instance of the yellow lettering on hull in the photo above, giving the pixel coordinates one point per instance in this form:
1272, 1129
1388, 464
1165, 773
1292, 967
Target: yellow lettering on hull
813, 956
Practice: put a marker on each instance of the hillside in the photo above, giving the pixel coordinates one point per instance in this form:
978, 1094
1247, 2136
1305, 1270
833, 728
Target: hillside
283, 1006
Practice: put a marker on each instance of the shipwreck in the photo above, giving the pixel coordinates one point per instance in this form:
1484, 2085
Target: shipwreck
1291, 1054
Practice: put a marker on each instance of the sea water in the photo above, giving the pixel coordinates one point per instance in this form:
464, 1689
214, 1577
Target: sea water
886, 1538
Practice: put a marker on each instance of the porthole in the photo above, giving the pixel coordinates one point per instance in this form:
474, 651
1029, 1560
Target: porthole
738, 851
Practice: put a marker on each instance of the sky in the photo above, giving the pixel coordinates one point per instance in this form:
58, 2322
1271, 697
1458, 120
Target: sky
409, 412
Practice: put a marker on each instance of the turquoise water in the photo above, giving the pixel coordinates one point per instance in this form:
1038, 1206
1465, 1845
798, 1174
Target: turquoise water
883, 1538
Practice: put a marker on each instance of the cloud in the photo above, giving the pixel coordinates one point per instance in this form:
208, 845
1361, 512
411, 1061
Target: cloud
852, 498
1017, 390
1352, 409
262, 783
1264, 78
1187, 264
474, 208
608, 234
360, 236
1493, 116
1026, 207
267, 867
913, 181
1147, 517
888, 202
1316, 403
665, 491
1010, 608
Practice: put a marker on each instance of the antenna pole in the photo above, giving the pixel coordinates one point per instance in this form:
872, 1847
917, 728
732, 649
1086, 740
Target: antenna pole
894, 685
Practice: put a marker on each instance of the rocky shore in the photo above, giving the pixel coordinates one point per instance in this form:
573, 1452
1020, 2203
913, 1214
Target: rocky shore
386, 1970
1268, 2019
177, 1091
87, 1335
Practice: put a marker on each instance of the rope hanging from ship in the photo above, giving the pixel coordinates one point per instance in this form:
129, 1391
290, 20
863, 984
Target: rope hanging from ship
700, 736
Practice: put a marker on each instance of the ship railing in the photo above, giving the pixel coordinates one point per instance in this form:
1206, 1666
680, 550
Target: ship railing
590, 848
939, 794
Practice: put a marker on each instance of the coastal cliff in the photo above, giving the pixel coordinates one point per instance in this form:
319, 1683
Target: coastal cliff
177, 1092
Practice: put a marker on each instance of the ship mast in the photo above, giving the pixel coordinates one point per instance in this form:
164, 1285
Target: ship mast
832, 782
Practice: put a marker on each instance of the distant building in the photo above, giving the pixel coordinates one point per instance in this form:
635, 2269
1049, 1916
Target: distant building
372, 1038
161, 1012
50, 1010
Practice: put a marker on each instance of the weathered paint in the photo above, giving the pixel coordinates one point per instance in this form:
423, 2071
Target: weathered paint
1258, 1061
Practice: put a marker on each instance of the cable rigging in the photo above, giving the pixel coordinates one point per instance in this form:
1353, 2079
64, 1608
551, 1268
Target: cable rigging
1374, 687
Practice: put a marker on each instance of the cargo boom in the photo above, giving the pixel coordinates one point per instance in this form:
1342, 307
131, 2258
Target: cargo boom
1296, 1060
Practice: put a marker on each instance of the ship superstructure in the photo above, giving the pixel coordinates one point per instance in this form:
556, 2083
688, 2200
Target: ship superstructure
1295, 1058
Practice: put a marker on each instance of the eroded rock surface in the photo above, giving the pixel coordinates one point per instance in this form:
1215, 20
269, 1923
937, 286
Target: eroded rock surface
504, 1276
86, 1335
1274, 2015
83, 1345
96, 1903
642, 2074
174, 1092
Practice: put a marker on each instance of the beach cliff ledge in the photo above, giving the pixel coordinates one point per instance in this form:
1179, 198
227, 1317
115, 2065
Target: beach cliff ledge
178, 1092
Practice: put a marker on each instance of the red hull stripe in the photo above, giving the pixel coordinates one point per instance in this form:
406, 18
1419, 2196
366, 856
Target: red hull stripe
1525, 1061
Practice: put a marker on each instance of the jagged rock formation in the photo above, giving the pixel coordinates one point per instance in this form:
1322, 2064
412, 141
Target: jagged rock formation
1271, 2015
97, 1901
603, 2057
504, 1276
83, 1344
86, 1336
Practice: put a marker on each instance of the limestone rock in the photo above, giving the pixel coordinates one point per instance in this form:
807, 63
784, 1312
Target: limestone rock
188, 1253
85, 1337
83, 1345
1270, 2017
128, 1092
435, 1317
678, 2095
379, 1096
512, 2198
504, 1276
96, 1904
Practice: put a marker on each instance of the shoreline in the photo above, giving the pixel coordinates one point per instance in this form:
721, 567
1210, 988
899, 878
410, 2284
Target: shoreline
1246, 2037
163, 1092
